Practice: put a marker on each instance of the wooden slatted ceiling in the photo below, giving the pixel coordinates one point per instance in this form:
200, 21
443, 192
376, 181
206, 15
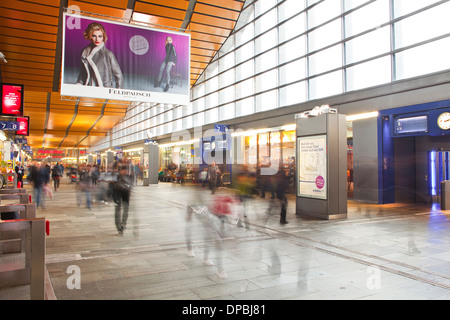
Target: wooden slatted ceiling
28, 38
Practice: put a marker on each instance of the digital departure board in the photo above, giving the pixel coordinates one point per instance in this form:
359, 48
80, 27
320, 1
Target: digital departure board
409, 125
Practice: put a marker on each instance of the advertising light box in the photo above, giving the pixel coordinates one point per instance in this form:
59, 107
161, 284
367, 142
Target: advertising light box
24, 126
110, 60
12, 99
312, 170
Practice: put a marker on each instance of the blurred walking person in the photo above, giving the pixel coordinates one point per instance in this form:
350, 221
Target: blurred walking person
84, 185
213, 172
281, 188
57, 173
39, 178
122, 192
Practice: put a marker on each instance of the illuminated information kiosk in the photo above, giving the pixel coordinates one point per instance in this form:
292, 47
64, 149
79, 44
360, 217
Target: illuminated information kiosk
151, 163
321, 164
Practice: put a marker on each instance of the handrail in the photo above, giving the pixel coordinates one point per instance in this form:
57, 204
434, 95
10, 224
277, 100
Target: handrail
22, 197
26, 211
13, 191
32, 242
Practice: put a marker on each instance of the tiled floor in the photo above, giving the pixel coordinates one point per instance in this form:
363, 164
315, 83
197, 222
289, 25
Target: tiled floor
378, 252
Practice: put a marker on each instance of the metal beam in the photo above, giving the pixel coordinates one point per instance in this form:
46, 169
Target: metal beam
188, 16
75, 113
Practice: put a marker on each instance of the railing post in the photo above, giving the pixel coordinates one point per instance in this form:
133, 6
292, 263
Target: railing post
37, 286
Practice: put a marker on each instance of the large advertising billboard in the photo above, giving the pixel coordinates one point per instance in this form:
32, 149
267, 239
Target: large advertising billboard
110, 60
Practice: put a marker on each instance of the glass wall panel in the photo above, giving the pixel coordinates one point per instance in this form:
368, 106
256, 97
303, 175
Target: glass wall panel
293, 71
327, 85
266, 81
227, 78
325, 35
266, 22
227, 111
292, 28
178, 125
423, 26
212, 100
368, 45
245, 88
211, 85
266, 61
428, 58
266, 101
289, 9
293, 49
323, 12
199, 119
245, 34
227, 62
325, 60
266, 41
198, 105
245, 70
369, 74
244, 53
404, 7
261, 7
351, 4
367, 17
211, 116
187, 122
212, 70
226, 95
245, 107
292, 94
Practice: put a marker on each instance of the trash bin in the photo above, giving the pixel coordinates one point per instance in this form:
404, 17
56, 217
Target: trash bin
445, 195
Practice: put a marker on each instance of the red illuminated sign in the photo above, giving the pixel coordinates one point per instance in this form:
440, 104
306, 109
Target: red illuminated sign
24, 126
12, 99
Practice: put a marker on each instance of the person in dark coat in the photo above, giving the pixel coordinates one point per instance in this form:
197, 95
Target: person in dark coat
282, 188
122, 190
39, 177
20, 172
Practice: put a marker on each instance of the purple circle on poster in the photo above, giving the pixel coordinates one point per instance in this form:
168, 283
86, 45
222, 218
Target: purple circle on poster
320, 182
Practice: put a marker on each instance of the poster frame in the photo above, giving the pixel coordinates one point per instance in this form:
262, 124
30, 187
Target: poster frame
150, 95
20, 114
316, 192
